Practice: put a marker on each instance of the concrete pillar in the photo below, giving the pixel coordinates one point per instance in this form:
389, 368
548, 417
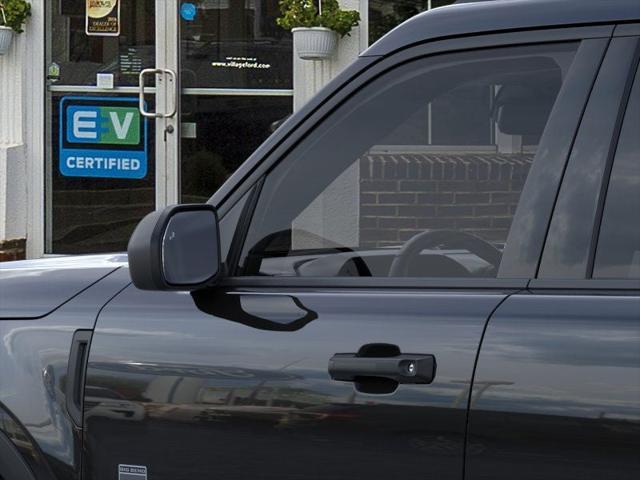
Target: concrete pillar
22, 158
13, 174
310, 76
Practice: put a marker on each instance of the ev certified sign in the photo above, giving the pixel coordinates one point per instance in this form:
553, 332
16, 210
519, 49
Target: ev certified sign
103, 137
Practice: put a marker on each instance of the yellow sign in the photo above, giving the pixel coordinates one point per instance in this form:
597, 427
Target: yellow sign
103, 18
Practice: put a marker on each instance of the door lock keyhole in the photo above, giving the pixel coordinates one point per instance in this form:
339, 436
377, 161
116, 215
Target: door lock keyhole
167, 130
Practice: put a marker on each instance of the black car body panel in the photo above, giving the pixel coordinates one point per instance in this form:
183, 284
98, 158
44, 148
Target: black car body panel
474, 18
537, 374
49, 283
557, 389
229, 381
34, 359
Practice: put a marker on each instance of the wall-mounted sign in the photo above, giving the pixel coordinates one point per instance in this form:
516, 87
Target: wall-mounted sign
102, 18
104, 137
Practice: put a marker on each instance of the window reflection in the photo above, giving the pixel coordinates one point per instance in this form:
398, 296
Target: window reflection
385, 15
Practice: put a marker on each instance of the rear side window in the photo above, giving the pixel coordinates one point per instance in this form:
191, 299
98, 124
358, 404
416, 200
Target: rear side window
618, 250
419, 174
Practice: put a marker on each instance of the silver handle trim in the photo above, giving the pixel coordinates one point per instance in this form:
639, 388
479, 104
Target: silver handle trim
141, 90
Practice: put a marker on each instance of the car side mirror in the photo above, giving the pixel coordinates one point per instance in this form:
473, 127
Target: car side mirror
177, 248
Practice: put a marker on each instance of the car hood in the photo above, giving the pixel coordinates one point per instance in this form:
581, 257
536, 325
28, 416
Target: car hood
34, 288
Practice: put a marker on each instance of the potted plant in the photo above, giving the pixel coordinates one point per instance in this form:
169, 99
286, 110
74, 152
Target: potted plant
13, 15
316, 29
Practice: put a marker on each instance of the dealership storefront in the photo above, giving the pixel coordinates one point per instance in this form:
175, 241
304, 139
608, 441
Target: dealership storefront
106, 117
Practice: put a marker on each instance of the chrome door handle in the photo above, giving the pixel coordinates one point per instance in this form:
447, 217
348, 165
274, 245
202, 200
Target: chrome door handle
172, 77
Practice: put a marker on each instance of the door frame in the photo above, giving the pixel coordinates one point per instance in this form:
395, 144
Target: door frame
167, 130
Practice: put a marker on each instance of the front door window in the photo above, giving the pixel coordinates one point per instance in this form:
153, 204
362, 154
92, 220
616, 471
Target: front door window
419, 174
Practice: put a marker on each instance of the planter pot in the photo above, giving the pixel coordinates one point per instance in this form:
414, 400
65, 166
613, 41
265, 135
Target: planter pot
315, 43
6, 35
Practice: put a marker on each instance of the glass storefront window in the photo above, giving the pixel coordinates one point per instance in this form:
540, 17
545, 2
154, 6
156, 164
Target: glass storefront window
223, 132
385, 15
78, 57
235, 71
89, 215
235, 44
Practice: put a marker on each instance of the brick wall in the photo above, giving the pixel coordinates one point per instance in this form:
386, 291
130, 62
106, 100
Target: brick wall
404, 194
12, 250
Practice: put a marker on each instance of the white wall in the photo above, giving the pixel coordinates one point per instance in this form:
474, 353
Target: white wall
22, 135
13, 188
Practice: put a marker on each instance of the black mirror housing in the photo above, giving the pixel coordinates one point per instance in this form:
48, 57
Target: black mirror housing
177, 248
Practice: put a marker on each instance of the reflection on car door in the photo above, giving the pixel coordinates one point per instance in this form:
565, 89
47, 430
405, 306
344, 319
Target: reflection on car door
557, 387
236, 384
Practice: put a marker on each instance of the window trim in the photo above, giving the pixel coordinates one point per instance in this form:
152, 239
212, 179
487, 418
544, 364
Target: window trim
567, 181
447, 283
633, 81
586, 284
260, 164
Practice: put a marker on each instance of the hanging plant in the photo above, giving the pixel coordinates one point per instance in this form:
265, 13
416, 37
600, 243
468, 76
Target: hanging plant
13, 16
316, 29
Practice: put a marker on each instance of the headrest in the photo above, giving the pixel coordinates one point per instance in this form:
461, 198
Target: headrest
524, 108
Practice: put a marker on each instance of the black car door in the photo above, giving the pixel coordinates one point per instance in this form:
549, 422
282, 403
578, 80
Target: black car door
557, 388
394, 226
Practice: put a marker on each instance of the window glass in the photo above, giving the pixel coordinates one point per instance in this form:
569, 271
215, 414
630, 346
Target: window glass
224, 43
232, 43
385, 187
76, 58
618, 252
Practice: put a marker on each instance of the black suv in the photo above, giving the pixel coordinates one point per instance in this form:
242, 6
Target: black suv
430, 271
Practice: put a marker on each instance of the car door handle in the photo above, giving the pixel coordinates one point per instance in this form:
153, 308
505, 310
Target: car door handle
382, 364
408, 368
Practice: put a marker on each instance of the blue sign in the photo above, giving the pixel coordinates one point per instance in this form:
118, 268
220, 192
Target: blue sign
103, 137
188, 11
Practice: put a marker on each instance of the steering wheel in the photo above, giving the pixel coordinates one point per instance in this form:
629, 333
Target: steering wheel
454, 239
